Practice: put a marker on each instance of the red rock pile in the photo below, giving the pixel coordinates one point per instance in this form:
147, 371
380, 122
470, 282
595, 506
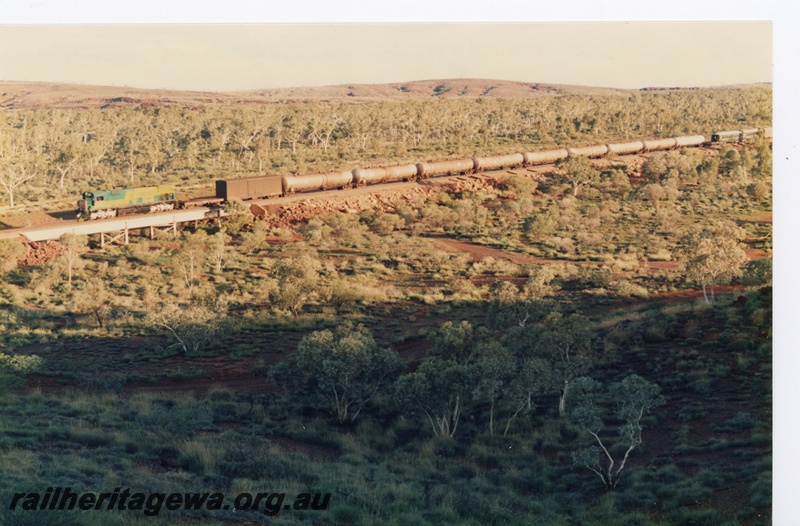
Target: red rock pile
384, 200
39, 253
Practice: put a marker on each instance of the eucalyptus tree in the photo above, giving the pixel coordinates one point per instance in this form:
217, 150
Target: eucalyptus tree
325, 122
100, 142
187, 259
71, 259
298, 280
219, 250
131, 145
493, 384
444, 385
512, 308
173, 142
762, 166
237, 216
93, 298
12, 177
561, 342
758, 272
17, 160
64, 145
712, 255
247, 126
292, 126
627, 401
578, 170
14, 367
361, 125
193, 324
729, 161
339, 371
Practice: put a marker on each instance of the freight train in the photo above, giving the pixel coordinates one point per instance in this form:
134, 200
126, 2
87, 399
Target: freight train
96, 205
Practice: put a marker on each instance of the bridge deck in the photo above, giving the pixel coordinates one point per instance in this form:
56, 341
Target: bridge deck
116, 224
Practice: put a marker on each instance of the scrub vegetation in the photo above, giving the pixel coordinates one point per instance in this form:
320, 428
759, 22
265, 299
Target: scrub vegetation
533, 351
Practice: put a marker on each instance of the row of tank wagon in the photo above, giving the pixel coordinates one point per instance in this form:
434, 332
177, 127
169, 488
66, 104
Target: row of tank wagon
276, 185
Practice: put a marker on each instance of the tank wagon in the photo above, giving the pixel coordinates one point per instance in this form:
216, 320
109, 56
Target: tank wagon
598, 150
693, 140
546, 157
364, 176
625, 148
321, 181
112, 203
659, 144
404, 172
497, 161
435, 168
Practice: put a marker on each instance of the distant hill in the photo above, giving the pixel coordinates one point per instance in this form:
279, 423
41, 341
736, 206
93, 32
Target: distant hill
437, 88
19, 95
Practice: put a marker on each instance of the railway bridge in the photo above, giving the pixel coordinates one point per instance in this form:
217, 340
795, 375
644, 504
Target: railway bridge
115, 230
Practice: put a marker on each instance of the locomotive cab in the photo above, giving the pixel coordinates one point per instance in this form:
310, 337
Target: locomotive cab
85, 205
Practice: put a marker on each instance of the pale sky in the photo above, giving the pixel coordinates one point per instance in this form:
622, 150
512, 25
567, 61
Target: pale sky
227, 57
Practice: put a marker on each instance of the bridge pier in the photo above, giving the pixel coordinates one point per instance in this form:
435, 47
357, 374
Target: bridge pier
109, 239
173, 227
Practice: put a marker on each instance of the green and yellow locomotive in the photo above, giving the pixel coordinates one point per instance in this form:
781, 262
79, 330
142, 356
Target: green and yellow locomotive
113, 203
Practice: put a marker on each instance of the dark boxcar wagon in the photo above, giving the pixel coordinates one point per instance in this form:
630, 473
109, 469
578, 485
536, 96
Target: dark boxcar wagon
749, 133
726, 136
250, 187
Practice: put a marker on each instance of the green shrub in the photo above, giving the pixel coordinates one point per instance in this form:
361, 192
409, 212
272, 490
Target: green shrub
200, 456
224, 412
626, 289
698, 517
761, 491
736, 424
345, 513
89, 437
